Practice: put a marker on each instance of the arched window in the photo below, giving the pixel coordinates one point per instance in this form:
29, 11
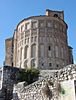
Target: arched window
22, 28
33, 50
49, 51
25, 64
25, 52
34, 24
41, 50
62, 51
27, 26
18, 55
56, 51
33, 63
21, 53
56, 15
49, 23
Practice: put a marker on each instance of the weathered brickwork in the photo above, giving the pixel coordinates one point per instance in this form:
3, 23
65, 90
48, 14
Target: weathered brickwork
40, 42
9, 52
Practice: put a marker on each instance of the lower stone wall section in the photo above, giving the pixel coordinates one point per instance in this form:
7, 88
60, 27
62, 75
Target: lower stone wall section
40, 90
47, 87
8, 79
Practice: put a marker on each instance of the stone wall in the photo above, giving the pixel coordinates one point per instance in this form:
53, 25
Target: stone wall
1, 76
9, 51
67, 73
34, 91
8, 80
47, 88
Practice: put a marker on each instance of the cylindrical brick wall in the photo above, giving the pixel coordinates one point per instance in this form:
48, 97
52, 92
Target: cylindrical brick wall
41, 42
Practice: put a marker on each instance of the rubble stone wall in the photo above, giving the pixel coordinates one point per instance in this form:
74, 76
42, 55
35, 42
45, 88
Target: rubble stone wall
9, 79
47, 87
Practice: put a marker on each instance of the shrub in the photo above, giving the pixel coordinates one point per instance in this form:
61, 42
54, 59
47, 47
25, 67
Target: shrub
60, 89
28, 75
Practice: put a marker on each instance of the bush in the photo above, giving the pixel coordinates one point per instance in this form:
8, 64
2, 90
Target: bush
28, 75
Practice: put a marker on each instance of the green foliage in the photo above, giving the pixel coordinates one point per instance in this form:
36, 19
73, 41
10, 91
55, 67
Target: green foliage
28, 75
61, 89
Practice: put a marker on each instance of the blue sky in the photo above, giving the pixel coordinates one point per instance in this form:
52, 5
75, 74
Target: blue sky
13, 11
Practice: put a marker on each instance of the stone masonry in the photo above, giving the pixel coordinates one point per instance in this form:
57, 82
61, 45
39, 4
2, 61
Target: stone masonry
36, 90
9, 52
49, 83
9, 78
